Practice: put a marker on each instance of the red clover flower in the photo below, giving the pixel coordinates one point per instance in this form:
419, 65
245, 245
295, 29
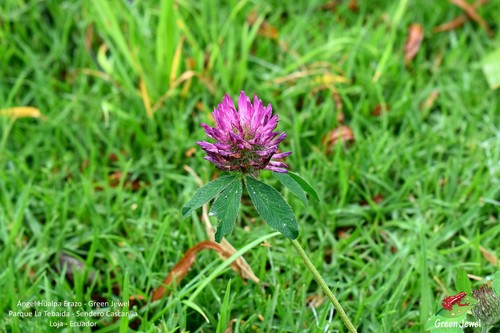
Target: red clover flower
245, 140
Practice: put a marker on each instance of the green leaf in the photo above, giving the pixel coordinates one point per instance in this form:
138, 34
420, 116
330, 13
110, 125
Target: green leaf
207, 193
304, 184
462, 282
226, 207
292, 185
273, 209
439, 323
491, 68
457, 310
446, 329
430, 323
496, 283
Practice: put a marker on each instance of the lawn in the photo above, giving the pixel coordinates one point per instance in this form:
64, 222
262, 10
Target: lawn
403, 150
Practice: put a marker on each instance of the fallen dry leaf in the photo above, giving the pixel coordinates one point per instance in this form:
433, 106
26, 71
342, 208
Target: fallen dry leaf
22, 112
229, 328
182, 267
415, 37
340, 117
343, 232
113, 157
94, 73
342, 133
471, 12
315, 300
176, 274
451, 25
190, 63
353, 5
190, 152
339, 106
429, 102
31, 272
442, 182
330, 6
386, 239
173, 278
266, 29
490, 257
115, 178
379, 109
377, 198
89, 37
200, 106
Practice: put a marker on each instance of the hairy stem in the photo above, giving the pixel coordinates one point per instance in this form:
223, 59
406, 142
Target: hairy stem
324, 286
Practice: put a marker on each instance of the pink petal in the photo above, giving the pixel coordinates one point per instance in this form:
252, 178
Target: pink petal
245, 110
282, 155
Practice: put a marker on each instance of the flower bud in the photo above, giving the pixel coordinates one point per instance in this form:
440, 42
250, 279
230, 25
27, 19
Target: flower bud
488, 307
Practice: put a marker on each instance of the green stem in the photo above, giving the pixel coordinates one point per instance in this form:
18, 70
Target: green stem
324, 286
484, 328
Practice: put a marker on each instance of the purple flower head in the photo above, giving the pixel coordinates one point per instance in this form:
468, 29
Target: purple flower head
245, 140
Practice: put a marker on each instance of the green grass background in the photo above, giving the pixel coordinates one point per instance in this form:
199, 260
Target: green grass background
433, 167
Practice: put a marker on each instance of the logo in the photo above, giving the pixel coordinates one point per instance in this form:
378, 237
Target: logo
468, 307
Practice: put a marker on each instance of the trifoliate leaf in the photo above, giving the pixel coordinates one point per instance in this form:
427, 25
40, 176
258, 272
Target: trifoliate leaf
273, 209
305, 185
462, 282
292, 185
207, 193
226, 207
